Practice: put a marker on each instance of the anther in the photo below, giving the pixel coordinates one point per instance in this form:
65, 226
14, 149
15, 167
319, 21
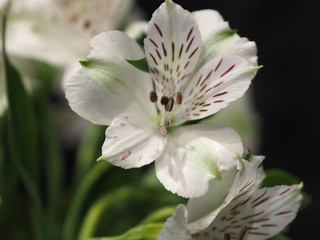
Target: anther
226, 237
164, 100
153, 96
242, 233
168, 107
179, 98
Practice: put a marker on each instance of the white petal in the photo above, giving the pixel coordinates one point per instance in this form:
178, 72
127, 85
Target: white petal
132, 140
203, 210
42, 40
176, 227
219, 82
219, 39
264, 213
172, 47
137, 29
195, 155
209, 22
110, 85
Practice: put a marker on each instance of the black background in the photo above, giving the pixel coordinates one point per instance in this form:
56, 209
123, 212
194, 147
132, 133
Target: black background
285, 91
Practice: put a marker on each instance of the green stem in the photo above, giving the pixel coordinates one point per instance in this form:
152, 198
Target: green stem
143, 232
71, 223
96, 211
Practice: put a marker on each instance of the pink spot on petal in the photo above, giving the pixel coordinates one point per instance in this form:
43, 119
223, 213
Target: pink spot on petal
228, 70
189, 44
220, 94
284, 191
126, 155
282, 213
158, 29
153, 42
189, 34
218, 65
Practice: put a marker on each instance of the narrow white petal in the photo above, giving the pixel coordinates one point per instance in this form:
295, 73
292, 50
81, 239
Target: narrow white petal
264, 213
219, 39
194, 156
176, 227
172, 47
132, 140
92, 101
219, 82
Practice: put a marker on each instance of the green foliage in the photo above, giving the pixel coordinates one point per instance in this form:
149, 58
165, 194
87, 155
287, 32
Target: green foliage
140, 64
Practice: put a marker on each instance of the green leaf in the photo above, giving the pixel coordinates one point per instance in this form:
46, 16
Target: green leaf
22, 136
140, 64
21, 118
143, 232
279, 177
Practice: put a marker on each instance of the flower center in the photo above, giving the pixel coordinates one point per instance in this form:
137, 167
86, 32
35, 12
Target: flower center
167, 102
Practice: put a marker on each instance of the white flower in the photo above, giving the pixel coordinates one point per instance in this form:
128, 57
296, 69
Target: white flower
244, 213
198, 65
58, 31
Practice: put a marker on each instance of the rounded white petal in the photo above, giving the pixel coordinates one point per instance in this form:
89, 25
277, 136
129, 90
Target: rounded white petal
219, 82
194, 156
176, 227
209, 22
172, 47
219, 39
108, 85
132, 140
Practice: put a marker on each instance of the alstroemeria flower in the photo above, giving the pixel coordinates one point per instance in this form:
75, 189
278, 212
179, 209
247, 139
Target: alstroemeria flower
245, 213
198, 66
58, 31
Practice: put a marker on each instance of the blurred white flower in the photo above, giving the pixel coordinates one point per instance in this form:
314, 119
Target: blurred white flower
58, 31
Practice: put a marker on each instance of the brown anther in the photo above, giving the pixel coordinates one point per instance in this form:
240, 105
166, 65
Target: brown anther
153, 96
179, 98
164, 100
226, 237
242, 233
163, 131
168, 107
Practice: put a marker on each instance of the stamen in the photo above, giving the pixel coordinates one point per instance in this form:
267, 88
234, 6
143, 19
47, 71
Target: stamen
163, 131
242, 233
153, 96
226, 237
168, 107
164, 100
179, 98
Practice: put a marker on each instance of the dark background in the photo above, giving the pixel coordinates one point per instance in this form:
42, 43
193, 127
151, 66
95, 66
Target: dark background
285, 91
